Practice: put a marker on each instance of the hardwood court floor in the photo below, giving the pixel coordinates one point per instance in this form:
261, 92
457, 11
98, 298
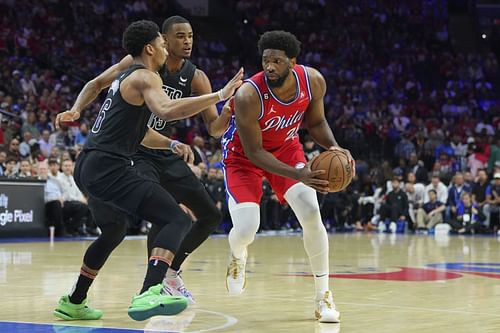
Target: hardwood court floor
382, 283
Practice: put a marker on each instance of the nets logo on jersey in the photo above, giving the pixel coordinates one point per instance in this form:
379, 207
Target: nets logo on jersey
159, 124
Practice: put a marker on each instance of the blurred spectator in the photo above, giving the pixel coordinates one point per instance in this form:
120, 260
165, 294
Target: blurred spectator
45, 145
311, 149
468, 218
24, 169
455, 192
82, 134
495, 205
53, 199
75, 204
431, 213
395, 206
30, 125
481, 195
10, 167
438, 186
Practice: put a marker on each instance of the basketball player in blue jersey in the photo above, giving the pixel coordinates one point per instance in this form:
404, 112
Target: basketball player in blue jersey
180, 78
105, 172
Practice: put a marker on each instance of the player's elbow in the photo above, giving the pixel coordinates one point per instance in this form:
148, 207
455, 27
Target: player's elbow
253, 155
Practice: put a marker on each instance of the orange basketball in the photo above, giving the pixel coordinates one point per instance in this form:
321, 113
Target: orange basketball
337, 167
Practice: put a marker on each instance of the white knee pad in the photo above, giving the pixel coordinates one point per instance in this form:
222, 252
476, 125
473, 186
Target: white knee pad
304, 202
246, 220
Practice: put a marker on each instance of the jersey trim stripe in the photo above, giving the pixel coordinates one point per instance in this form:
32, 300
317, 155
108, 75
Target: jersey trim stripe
260, 97
297, 95
307, 81
228, 192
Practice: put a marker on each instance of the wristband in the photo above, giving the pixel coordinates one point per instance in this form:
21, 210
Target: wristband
174, 143
221, 96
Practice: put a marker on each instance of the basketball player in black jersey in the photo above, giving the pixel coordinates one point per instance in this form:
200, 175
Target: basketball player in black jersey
105, 172
180, 78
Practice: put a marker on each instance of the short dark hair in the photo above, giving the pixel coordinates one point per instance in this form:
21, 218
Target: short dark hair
53, 161
169, 22
280, 40
432, 190
138, 34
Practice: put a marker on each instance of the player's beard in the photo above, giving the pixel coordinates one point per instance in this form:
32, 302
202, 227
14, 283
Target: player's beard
279, 82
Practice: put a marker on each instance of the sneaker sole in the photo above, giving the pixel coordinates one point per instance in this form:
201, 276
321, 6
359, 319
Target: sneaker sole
169, 309
64, 316
172, 292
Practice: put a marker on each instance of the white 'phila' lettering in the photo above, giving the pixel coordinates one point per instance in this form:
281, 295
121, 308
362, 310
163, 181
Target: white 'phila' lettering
281, 122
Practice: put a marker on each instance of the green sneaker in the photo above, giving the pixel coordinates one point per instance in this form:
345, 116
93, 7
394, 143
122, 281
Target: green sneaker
69, 311
152, 303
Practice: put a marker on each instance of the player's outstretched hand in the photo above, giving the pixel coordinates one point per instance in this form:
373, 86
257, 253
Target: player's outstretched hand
309, 177
184, 151
227, 109
232, 85
349, 157
66, 116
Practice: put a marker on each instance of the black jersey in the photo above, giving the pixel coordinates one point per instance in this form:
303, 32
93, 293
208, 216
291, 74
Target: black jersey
120, 126
176, 85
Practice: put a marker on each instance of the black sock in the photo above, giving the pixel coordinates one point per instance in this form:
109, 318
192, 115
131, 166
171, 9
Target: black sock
157, 268
82, 286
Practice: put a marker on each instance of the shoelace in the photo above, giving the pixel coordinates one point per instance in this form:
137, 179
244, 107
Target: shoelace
234, 268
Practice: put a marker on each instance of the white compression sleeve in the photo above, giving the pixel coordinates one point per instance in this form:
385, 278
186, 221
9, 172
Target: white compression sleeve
303, 200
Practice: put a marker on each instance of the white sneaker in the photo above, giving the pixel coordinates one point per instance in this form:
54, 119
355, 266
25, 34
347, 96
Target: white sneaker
325, 309
235, 275
174, 286
393, 227
381, 226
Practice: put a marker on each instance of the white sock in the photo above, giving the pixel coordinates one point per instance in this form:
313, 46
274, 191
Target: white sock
171, 273
303, 200
246, 220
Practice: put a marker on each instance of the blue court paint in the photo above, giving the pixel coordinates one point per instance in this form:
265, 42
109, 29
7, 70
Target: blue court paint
17, 327
479, 267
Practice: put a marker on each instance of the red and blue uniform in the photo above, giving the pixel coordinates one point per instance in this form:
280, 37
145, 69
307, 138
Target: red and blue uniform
279, 123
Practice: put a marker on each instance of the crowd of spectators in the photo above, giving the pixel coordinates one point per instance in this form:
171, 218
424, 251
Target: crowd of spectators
413, 111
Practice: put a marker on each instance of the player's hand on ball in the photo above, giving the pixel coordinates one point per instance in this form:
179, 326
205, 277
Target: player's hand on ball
184, 151
232, 85
309, 177
349, 157
70, 115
